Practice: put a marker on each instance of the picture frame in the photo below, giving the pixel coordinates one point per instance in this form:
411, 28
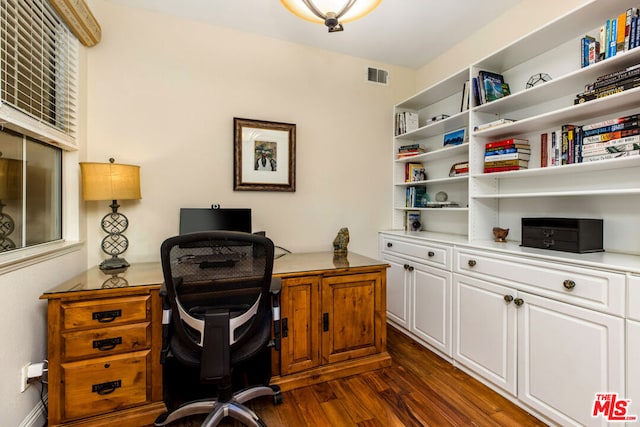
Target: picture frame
455, 137
264, 155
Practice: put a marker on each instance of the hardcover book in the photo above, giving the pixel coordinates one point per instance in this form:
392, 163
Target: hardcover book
491, 84
514, 142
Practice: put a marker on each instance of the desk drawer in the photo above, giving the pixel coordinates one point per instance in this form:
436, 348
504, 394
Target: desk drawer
106, 312
435, 255
591, 288
106, 341
105, 384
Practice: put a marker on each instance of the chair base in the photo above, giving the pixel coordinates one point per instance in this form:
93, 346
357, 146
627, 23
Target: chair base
218, 410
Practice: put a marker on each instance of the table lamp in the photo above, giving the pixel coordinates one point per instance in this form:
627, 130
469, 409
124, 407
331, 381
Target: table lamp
10, 189
111, 181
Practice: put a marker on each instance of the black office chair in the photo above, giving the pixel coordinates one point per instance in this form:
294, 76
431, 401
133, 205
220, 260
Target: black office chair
218, 289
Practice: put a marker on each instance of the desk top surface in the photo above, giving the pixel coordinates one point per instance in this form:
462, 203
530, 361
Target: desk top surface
150, 273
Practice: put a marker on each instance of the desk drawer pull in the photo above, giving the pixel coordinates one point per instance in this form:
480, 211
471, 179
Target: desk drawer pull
106, 388
107, 344
106, 316
471, 262
431, 254
569, 284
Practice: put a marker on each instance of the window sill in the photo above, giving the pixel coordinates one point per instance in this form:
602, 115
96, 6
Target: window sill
24, 257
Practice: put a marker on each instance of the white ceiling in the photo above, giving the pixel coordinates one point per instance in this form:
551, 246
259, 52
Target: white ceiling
408, 33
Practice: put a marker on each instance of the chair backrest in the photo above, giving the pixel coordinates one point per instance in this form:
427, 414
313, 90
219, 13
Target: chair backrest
218, 277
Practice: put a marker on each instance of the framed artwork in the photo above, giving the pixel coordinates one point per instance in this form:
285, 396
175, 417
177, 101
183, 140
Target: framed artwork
264, 155
455, 137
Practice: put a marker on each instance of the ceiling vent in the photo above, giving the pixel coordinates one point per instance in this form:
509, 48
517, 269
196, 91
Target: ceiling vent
376, 75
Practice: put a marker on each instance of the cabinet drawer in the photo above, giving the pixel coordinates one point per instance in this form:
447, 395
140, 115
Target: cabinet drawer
600, 290
438, 256
106, 341
633, 300
105, 312
105, 384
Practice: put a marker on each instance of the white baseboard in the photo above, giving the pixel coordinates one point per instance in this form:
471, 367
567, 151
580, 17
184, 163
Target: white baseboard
37, 417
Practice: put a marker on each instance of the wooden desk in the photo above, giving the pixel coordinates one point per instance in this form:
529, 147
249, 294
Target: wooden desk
105, 334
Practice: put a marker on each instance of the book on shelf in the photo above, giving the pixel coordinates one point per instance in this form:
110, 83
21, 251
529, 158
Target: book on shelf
406, 121
597, 146
586, 43
410, 150
513, 162
611, 156
568, 142
508, 142
413, 223
506, 156
613, 78
506, 149
464, 102
610, 128
610, 135
491, 85
610, 122
503, 168
417, 197
494, 123
544, 150
442, 205
607, 91
618, 148
475, 91
415, 172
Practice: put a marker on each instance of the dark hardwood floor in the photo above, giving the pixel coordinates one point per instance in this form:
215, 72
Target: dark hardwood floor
419, 389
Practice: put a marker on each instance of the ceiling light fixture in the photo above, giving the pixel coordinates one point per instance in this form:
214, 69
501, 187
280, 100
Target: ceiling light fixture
332, 13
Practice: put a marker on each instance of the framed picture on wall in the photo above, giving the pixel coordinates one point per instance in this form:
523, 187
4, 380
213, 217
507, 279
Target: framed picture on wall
264, 155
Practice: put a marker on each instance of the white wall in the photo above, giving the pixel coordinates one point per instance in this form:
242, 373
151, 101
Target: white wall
163, 93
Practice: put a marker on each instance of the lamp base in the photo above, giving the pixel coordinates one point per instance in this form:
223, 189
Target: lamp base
113, 264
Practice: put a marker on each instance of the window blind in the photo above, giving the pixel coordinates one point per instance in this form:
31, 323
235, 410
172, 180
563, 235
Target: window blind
38, 62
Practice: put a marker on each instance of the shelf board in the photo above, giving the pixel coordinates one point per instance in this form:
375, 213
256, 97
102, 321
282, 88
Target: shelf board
436, 92
622, 163
439, 154
457, 121
571, 193
460, 209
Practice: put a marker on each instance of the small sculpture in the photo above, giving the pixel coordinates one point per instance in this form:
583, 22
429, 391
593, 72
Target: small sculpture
340, 242
500, 234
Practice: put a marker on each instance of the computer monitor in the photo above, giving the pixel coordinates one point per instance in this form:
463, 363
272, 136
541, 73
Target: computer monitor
206, 219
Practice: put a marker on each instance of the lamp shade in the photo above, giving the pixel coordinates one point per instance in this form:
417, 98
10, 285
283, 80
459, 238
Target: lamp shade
10, 179
110, 181
357, 11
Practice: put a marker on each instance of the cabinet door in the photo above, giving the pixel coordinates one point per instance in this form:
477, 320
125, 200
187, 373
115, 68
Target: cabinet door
484, 323
567, 354
352, 316
397, 291
300, 312
431, 306
633, 367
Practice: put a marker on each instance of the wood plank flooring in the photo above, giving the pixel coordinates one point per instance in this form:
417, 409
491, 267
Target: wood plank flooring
419, 389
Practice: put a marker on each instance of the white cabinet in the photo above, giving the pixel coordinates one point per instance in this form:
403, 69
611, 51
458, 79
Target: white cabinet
419, 290
633, 344
484, 330
564, 353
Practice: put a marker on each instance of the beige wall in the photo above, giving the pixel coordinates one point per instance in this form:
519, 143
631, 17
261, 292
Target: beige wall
163, 93
514, 23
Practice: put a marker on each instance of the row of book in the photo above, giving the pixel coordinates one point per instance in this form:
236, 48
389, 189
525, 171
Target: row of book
618, 34
410, 150
607, 139
414, 172
488, 86
406, 121
417, 197
506, 155
611, 83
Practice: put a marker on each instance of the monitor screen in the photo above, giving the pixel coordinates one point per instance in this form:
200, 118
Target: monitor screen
205, 219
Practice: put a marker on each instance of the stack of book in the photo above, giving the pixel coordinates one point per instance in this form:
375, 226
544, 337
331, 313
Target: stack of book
610, 84
410, 150
406, 121
506, 155
414, 172
417, 197
610, 139
459, 169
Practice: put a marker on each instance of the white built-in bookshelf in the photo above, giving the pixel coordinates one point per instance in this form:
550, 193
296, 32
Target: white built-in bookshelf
607, 189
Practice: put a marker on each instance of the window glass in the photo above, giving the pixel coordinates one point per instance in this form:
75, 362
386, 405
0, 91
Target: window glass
30, 192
